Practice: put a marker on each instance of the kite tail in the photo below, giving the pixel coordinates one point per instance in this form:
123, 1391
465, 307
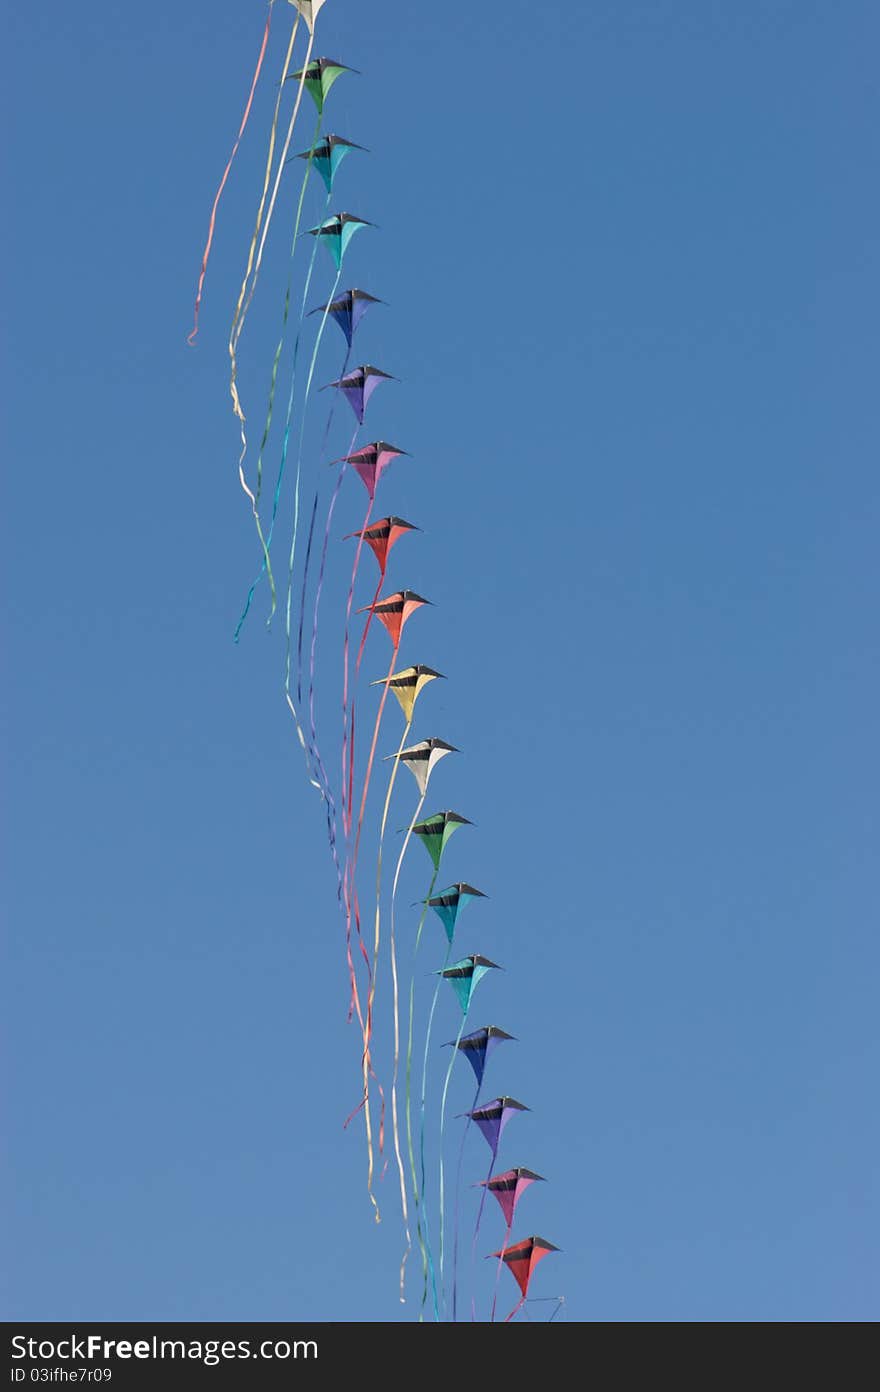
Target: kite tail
368, 1032
485, 1188
319, 763
292, 557
516, 1309
254, 265
329, 802
351, 907
281, 163
396, 1063
265, 543
314, 749
345, 657
467, 1126
498, 1269
409, 1043
305, 402
333, 498
237, 318
440, 1144
336, 491
354, 703
354, 1005
357, 667
302, 599
191, 337
352, 861
364, 1103
368, 1070
428, 1258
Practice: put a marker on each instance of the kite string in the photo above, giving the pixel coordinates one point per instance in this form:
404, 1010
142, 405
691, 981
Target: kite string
191, 337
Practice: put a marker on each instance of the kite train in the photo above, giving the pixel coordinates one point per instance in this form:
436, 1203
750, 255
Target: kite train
318, 456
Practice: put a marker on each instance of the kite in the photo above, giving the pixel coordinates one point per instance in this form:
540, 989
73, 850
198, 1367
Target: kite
492, 1119
297, 447
521, 1260
326, 155
347, 310
509, 1188
335, 233
434, 833
478, 1046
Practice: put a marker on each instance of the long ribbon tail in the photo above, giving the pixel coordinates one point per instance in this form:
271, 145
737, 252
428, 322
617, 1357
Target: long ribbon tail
352, 916
498, 1270
409, 1044
305, 584
351, 861
281, 163
464, 1134
485, 1190
304, 591
266, 542
317, 760
396, 1062
314, 751
305, 401
428, 1257
442, 1126
326, 791
354, 1002
237, 320
368, 1033
191, 337
291, 563
346, 642
516, 1309
350, 721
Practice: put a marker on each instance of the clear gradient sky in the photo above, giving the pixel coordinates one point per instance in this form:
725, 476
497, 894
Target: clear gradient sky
630, 255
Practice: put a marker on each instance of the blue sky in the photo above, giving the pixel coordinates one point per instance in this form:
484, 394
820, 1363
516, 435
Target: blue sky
630, 257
